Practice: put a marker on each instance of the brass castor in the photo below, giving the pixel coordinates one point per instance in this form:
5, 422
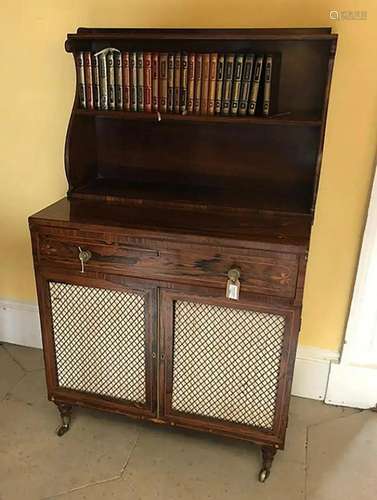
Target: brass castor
268, 453
263, 475
65, 415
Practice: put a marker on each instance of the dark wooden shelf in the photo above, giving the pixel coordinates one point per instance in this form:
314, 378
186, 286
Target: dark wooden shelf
282, 119
250, 197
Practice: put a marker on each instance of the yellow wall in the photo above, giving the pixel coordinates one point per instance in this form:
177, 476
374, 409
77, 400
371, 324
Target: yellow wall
36, 89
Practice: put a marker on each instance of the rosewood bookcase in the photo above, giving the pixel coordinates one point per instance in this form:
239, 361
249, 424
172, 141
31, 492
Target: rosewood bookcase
132, 266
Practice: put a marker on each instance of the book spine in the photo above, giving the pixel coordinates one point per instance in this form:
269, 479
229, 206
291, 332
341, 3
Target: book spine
205, 85
81, 78
96, 87
267, 86
255, 86
212, 84
118, 80
236, 88
133, 81
171, 82
147, 82
155, 81
103, 80
246, 84
191, 83
228, 78
198, 82
140, 81
88, 80
219, 83
126, 81
111, 80
163, 82
177, 81
184, 72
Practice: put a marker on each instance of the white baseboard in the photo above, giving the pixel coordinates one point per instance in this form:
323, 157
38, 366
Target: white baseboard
312, 370
352, 385
19, 324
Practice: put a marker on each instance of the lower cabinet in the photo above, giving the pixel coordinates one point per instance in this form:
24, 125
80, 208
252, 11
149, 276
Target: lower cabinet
195, 360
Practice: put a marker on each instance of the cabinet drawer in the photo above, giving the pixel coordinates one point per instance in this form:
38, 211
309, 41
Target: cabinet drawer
262, 272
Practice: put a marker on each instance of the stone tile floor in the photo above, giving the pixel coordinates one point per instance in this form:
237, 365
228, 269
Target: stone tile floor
330, 453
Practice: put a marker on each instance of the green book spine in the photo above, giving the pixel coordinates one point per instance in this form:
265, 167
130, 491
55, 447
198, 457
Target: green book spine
236, 88
140, 81
228, 78
111, 79
255, 86
103, 80
118, 80
133, 81
219, 83
246, 84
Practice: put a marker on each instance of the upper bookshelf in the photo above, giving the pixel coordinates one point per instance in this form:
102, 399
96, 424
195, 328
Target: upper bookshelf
215, 136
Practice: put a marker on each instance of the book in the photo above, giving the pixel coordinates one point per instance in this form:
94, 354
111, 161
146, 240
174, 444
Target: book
212, 83
118, 80
227, 85
253, 98
191, 83
171, 82
271, 84
110, 78
81, 78
177, 81
163, 82
96, 88
246, 83
198, 82
219, 83
184, 73
147, 82
133, 81
140, 80
236, 87
155, 81
126, 81
88, 80
103, 79
205, 85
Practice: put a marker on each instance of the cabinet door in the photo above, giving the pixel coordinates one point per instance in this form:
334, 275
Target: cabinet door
227, 365
99, 339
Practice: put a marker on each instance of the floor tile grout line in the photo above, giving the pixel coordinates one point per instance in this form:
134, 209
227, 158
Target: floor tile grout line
83, 487
331, 419
13, 358
130, 454
306, 463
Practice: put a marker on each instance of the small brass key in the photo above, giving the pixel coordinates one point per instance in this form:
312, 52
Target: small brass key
84, 256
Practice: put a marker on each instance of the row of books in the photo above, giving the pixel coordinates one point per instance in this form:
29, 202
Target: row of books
206, 84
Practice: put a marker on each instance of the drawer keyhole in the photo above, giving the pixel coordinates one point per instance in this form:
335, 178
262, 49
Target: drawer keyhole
84, 256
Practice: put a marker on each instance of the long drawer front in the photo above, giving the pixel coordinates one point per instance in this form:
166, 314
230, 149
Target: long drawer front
262, 272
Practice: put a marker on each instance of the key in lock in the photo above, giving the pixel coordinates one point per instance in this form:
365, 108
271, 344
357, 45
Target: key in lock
233, 284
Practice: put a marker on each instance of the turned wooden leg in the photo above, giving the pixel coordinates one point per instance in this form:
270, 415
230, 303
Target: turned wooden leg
268, 453
65, 414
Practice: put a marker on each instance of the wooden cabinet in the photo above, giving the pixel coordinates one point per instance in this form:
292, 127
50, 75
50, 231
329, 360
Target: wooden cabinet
132, 267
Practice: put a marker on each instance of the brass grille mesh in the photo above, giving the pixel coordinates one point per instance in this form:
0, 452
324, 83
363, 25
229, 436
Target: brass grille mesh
226, 363
99, 340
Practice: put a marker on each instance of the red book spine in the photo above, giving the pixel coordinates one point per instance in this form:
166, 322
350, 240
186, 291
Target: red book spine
147, 82
155, 82
126, 81
88, 80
